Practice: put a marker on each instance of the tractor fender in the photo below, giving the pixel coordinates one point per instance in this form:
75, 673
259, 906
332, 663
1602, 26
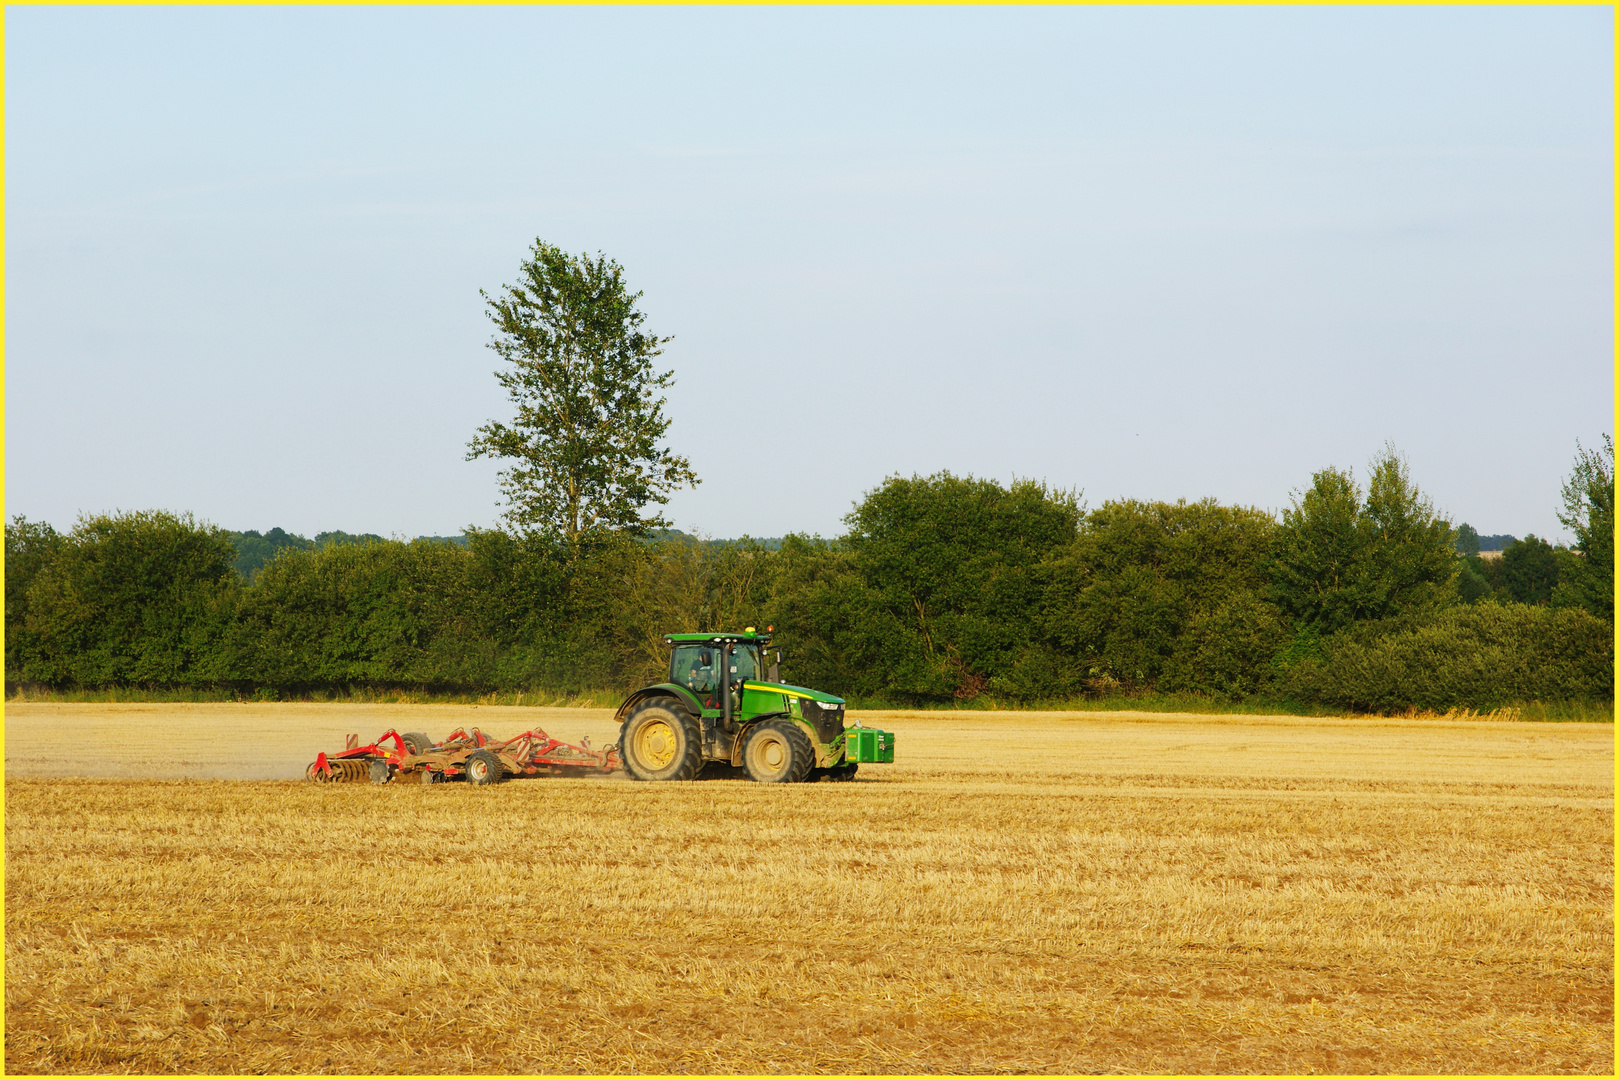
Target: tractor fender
674, 690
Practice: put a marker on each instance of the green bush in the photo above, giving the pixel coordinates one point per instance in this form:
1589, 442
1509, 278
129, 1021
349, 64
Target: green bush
378, 614
1529, 570
950, 581
1478, 657
133, 599
502, 613
822, 613
1120, 599
546, 613
1473, 580
30, 547
1227, 651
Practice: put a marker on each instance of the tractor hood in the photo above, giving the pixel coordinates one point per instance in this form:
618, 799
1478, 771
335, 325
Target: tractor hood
791, 691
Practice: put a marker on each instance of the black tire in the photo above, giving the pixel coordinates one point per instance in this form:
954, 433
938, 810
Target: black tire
777, 752
660, 740
482, 767
380, 773
417, 743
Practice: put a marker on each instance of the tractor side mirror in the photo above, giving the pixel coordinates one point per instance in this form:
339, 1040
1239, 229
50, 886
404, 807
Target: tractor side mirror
775, 668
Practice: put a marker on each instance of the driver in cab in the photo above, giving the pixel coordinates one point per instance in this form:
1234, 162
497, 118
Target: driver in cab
700, 679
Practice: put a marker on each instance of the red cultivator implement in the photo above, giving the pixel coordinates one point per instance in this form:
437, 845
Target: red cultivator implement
473, 757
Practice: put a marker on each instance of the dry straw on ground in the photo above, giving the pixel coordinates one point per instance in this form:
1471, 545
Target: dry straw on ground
1028, 892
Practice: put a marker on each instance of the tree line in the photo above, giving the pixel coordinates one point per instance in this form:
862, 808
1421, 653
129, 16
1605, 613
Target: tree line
942, 589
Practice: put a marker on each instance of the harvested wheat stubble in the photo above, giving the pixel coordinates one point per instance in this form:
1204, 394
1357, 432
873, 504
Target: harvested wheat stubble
1029, 892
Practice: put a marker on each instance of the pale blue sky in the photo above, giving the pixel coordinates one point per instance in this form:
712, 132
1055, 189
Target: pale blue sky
1147, 253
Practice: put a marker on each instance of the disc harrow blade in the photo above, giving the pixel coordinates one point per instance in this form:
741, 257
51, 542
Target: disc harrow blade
344, 771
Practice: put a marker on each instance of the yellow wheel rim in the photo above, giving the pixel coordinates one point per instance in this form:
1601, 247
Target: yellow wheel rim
770, 754
655, 744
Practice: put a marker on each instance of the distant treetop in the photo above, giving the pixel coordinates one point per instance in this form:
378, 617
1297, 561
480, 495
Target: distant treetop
1469, 542
768, 543
254, 549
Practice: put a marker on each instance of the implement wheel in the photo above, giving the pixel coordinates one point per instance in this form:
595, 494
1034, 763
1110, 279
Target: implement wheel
417, 743
483, 767
777, 752
661, 741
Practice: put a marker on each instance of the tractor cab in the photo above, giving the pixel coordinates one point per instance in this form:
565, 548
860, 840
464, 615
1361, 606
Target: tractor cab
716, 663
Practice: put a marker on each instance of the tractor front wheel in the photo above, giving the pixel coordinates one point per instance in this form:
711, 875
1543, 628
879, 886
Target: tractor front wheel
661, 741
777, 752
483, 767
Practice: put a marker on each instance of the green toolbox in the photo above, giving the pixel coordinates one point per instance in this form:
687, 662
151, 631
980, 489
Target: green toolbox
868, 744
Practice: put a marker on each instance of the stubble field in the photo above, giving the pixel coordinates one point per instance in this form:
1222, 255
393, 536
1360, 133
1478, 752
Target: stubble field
1018, 892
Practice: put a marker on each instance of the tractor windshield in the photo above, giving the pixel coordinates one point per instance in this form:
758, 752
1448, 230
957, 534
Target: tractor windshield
744, 663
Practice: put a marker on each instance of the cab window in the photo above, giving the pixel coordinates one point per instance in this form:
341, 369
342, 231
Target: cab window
744, 663
693, 666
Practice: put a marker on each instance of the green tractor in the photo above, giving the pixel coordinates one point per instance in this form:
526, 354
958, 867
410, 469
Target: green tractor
722, 705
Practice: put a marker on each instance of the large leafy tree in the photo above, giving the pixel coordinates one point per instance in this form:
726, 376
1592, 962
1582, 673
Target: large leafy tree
1588, 514
1344, 555
1165, 594
951, 566
1529, 570
1314, 567
585, 446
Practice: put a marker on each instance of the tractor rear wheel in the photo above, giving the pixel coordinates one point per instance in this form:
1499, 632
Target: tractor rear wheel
777, 752
483, 767
417, 743
661, 741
